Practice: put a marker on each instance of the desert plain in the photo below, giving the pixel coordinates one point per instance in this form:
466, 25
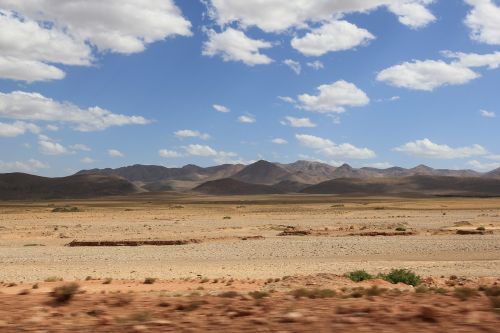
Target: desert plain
197, 247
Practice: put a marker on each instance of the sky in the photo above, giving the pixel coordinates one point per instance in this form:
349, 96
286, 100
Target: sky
380, 83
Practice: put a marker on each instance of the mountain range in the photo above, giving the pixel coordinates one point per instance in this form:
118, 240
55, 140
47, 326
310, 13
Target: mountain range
261, 177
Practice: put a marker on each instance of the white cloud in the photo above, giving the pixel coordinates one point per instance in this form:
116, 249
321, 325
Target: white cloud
87, 160
191, 134
380, 165
280, 15
115, 153
483, 21
169, 153
331, 149
221, 108
248, 119
490, 60
294, 65
234, 45
412, 14
49, 147
493, 157
55, 32
36, 107
487, 114
316, 65
331, 37
334, 97
287, 99
481, 166
30, 166
298, 122
428, 149
426, 75
207, 151
17, 128
81, 147
279, 141
52, 127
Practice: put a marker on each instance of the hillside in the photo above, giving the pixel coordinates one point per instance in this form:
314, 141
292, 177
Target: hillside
417, 185
20, 186
228, 186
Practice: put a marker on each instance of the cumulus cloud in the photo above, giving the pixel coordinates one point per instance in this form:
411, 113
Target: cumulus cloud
316, 65
331, 149
334, 97
17, 128
279, 141
280, 15
221, 108
428, 149
207, 151
247, 119
115, 153
55, 32
487, 114
31, 165
191, 134
483, 21
22, 105
169, 153
380, 165
234, 45
294, 65
50, 147
81, 147
331, 37
428, 75
482, 166
287, 99
298, 122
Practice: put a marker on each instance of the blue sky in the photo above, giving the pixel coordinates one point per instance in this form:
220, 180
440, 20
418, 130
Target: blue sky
370, 83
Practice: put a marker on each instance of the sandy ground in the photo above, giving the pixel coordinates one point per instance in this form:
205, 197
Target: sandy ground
239, 237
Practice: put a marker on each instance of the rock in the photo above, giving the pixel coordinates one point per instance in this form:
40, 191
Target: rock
291, 317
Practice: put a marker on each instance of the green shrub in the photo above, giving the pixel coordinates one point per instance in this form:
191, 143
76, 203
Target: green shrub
401, 276
358, 276
401, 229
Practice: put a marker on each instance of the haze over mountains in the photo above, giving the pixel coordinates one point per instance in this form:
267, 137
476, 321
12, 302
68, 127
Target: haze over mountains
261, 177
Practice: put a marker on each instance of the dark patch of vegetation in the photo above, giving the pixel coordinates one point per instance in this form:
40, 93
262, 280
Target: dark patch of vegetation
66, 209
401, 229
53, 279
191, 306
358, 276
226, 218
401, 275
481, 228
33, 245
464, 293
229, 294
63, 294
258, 294
149, 280
141, 316
313, 293
107, 281
374, 291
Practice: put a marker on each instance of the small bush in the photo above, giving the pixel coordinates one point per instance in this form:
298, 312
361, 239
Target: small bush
481, 228
495, 302
226, 218
65, 293
258, 294
464, 293
491, 291
401, 229
401, 276
107, 281
313, 293
149, 280
374, 291
229, 294
141, 317
35, 286
66, 210
358, 276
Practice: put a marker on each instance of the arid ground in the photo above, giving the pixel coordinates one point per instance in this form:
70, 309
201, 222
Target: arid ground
270, 244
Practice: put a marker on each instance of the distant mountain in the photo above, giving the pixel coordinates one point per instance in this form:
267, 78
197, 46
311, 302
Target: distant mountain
416, 185
263, 172
21, 186
291, 176
493, 174
229, 186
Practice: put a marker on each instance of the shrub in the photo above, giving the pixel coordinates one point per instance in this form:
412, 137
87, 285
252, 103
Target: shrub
229, 294
358, 276
53, 279
65, 293
107, 281
149, 280
140, 316
374, 291
401, 229
226, 218
258, 294
401, 276
481, 228
313, 293
464, 293
492, 291
66, 210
